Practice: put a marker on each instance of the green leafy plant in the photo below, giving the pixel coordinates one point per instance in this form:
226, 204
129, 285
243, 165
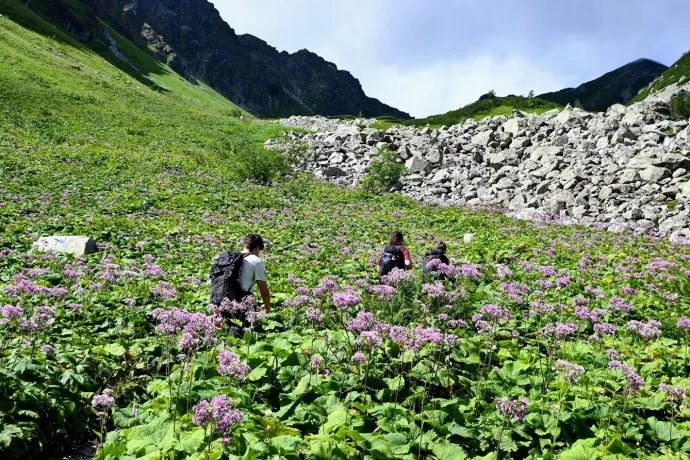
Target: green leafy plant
383, 172
680, 106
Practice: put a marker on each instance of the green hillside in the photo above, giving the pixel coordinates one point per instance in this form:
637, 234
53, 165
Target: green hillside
58, 93
113, 82
678, 73
489, 107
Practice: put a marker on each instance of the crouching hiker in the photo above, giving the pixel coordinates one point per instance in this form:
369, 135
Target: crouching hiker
395, 255
234, 275
433, 258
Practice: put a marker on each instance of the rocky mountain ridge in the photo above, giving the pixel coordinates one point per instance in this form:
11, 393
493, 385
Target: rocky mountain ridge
623, 169
192, 37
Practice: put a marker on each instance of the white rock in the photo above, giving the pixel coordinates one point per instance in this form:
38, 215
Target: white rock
78, 246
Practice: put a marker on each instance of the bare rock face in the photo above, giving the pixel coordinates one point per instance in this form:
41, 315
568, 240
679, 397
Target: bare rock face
616, 170
78, 246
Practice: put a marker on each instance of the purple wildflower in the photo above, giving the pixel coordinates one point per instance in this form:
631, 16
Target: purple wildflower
674, 394
363, 322
646, 330
398, 276
633, 381
684, 323
314, 315
513, 409
316, 362
344, 301
48, 350
358, 359
229, 364
384, 292
572, 372
104, 400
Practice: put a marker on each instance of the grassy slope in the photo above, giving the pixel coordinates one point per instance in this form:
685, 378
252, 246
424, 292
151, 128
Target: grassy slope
487, 108
476, 110
679, 72
55, 47
59, 94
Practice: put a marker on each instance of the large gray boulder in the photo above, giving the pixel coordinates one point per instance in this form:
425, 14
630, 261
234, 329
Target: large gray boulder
654, 174
503, 158
572, 115
559, 202
516, 123
78, 246
484, 138
417, 165
434, 156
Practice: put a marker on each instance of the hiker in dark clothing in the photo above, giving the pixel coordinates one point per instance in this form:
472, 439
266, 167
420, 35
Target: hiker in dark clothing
233, 277
437, 254
395, 255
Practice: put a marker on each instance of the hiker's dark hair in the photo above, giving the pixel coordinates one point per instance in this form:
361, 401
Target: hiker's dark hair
440, 245
396, 239
253, 241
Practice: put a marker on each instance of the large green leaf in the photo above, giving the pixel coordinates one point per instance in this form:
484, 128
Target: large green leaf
399, 444
190, 442
448, 452
665, 431
582, 450
336, 420
286, 444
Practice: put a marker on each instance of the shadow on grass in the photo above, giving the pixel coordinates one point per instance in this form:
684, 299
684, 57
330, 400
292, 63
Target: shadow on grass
60, 21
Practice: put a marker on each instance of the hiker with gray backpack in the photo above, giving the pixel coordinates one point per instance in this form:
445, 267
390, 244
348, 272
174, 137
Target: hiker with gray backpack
395, 255
234, 275
434, 257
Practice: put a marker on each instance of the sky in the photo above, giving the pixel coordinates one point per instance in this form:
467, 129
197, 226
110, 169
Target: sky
431, 56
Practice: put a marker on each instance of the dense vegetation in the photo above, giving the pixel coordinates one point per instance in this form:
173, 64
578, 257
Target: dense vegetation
678, 73
542, 341
680, 106
383, 173
487, 107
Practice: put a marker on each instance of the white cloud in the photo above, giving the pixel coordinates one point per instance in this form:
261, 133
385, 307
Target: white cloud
450, 84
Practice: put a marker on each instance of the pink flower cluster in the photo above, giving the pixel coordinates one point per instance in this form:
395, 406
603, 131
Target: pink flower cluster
398, 276
633, 381
229, 364
646, 330
515, 409
220, 413
571, 371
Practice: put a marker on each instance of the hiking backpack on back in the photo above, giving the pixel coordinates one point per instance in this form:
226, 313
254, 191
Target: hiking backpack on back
392, 257
225, 277
433, 254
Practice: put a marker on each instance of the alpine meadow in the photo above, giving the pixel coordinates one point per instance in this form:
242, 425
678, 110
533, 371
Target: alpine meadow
542, 338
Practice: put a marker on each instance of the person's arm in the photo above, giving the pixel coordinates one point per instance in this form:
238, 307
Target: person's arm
406, 256
265, 295
260, 279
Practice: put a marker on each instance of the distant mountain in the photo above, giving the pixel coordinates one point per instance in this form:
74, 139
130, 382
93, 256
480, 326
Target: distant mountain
195, 41
191, 37
616, 87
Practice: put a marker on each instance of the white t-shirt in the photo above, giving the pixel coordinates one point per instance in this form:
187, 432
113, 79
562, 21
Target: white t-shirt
253, 270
